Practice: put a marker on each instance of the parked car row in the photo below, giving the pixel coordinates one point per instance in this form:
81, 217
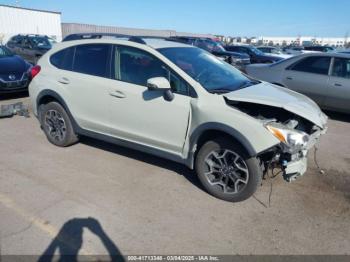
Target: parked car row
238, 59
30, 47
179, 102
17, 58
256, 56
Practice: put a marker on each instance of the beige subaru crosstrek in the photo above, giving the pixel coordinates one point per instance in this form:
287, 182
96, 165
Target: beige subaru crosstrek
177, 102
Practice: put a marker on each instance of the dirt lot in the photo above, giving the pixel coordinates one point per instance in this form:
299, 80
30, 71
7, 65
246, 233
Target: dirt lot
139, 204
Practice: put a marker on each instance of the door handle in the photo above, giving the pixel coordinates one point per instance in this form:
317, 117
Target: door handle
289, 78
118, 94
64, 80
337, 84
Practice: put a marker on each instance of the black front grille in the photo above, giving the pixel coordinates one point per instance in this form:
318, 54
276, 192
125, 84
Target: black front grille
9, 77
10, 81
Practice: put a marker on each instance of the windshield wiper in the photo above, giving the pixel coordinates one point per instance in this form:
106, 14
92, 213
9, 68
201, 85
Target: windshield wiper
248, 83
220, 91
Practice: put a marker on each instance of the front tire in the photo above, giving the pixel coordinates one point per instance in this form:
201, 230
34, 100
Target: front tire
57, 125
226, 171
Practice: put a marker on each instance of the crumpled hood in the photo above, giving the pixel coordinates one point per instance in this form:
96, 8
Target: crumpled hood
272, 95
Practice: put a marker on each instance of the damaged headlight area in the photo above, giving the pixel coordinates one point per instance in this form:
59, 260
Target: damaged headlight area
293, 140
296, 134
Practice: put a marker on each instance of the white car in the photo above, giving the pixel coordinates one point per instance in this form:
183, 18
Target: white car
178, 102
324, 77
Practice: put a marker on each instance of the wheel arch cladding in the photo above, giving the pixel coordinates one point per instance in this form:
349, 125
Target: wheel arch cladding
47, 96
212, 130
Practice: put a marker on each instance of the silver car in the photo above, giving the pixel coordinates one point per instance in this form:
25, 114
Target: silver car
324, 77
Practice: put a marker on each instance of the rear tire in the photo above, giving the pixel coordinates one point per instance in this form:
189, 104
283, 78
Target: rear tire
57, 125
226, 171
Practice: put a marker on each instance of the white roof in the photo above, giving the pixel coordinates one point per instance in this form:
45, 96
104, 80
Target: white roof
161, 43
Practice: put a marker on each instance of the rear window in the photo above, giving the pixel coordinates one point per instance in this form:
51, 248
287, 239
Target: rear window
93, 59
63, 59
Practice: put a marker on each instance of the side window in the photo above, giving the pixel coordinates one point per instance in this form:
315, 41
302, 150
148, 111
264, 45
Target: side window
341, 68
178, 85
315, 64
63, 59
16, 40
92, 59
136, 66
26, 43
232, 49
242, 50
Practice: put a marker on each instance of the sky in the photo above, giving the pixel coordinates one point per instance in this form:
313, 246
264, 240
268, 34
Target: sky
318, 18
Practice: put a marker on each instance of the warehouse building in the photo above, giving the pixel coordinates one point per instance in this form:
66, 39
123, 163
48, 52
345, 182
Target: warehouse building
17, 20
74, 28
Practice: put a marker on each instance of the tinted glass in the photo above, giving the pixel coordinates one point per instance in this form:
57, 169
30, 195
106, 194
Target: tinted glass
213, 74
255, 51
63, 59
316, 65
137, 66
26, 43
40, 42
209, 45
232, 48
92, 59
5, 52
16, 40
265, 50
341, 68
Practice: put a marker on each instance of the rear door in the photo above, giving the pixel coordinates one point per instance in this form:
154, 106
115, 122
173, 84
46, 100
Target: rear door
85, 80
309, 76
339, 85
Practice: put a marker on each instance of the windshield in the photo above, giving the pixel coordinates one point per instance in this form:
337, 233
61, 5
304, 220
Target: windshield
41, 41
256, 51
214, 75
4, 52
276, 51
52, 41
217, 47
210, 46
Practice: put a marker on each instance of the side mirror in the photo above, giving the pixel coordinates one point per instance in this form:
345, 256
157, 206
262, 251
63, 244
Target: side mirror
158, 83
161, 84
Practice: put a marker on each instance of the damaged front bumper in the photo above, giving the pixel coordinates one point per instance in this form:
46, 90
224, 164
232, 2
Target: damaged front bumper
295, 165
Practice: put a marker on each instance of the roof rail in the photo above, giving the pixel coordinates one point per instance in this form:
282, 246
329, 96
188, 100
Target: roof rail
82, 36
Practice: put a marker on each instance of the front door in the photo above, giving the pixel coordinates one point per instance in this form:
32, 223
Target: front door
144, 116
309, 77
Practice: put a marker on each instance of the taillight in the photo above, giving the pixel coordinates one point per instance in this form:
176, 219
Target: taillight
34, 71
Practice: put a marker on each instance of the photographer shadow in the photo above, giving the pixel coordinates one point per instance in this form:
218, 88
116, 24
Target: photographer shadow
69, 241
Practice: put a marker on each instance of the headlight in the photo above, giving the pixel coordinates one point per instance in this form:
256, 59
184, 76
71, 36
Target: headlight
291, 137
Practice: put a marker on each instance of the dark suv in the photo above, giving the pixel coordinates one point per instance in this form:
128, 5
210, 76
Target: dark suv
30, 47
237, 59
256, 56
